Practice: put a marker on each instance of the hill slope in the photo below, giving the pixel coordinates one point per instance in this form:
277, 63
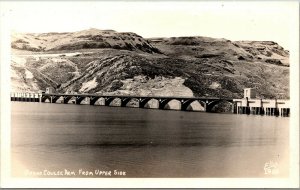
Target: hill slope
92, 38
96, 61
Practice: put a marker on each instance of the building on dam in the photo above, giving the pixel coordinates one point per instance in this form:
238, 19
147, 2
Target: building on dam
251, 105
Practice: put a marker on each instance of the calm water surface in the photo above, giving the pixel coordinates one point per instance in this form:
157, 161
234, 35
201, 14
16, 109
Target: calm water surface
144, 142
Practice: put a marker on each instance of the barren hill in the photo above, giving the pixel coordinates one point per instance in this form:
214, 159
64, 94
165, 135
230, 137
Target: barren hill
105, 61
92, 38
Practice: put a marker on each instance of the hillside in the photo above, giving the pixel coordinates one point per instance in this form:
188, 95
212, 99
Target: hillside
108, 62
92, 38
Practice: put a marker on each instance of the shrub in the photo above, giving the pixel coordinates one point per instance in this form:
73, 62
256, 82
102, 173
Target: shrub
115, 85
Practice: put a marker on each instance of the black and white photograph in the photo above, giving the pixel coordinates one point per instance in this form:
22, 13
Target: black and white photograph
149, 94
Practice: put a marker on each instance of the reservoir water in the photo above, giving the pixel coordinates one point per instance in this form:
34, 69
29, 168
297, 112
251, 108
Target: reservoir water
50, 140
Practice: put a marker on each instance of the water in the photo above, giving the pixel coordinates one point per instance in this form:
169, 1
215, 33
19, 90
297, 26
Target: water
50, 139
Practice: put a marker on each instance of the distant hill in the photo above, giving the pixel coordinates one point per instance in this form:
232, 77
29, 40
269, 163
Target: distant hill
92, 38
205, 47
109, 62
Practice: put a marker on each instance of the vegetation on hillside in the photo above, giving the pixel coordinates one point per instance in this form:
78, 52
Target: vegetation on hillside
110, 62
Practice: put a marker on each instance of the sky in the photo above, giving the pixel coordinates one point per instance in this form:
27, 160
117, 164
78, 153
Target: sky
268, 21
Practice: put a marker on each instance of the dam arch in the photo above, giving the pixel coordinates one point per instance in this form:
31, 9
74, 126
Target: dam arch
196, 105
113, 101
211, 106
171, 104
150, 103
132, 103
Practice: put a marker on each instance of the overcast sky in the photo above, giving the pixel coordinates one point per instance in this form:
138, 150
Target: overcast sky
270, 21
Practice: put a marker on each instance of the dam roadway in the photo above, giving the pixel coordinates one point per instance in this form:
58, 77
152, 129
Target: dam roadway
240, 106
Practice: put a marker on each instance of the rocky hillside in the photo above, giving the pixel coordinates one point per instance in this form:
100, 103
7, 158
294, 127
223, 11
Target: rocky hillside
85, 39
97, 61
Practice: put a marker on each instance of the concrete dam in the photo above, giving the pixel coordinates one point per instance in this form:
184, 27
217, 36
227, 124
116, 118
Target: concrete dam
247, 105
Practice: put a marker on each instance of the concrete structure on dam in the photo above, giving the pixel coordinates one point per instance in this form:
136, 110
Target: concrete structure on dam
250, 105
247, 105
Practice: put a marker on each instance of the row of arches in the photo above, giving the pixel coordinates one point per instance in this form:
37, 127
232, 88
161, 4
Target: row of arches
151, 103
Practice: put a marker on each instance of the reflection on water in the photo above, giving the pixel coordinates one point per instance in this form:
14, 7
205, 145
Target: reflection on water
144, 142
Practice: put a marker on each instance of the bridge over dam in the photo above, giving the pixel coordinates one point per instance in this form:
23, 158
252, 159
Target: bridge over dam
238, 106
206, 102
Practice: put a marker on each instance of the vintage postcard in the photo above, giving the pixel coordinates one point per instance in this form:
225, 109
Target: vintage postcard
140, 94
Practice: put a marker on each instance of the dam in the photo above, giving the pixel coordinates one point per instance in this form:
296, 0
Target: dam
247, 105
251, 105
